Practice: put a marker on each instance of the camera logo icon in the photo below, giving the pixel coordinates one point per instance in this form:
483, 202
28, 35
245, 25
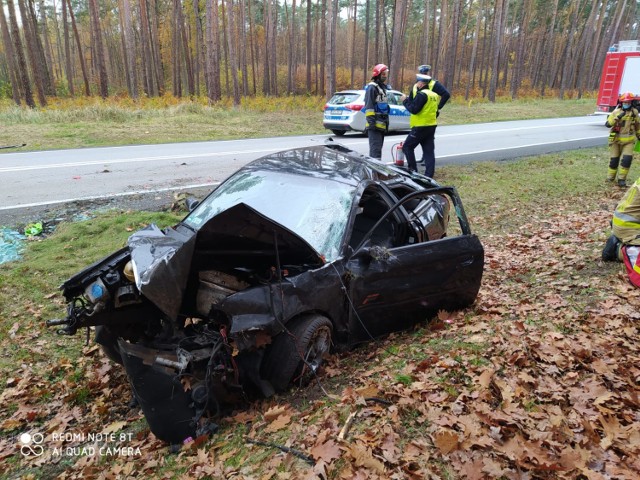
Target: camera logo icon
31, 444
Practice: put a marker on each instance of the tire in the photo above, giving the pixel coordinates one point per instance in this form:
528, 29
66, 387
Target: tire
108, 343
283, 362
339, 133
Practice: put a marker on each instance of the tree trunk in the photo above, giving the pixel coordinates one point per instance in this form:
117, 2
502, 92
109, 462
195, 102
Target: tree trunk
188, 58
40, 56
474, 51
11, 58
67, 48
242, 45
21, 61
497, 43
225, 49
424, 37
516, 76
365, 61
377, 33
548, 54
176, 74
329, 50
254, 60
94, 14
83, 65
397, 42
352, 53
32, 53
155, 48
48, 55
308, 49
212, 52
322, 45
291, 51
273, 24
148, 68
233, 59
131, 51
452, 55
438, 40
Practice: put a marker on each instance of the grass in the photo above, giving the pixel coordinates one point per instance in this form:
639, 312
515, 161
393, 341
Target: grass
94, 122
503, 201
500, 199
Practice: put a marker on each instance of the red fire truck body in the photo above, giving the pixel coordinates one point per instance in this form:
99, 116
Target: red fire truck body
620, 73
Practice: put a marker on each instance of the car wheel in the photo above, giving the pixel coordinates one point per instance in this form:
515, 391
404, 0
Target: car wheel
298, 353
339, 133
108, 342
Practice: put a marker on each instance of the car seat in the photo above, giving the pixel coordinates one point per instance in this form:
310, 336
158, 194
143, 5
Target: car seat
373, 209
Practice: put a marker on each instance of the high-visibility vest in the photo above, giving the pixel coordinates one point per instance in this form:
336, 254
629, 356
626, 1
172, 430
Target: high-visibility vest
626, 218
427, 116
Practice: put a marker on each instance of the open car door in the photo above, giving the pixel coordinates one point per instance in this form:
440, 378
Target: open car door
414, 275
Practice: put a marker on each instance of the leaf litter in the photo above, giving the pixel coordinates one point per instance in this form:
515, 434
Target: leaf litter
539, 379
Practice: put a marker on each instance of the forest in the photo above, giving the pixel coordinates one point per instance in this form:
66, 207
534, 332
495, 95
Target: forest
234, 49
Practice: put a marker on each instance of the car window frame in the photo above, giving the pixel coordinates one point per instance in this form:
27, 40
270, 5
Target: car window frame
458, 210
353, 96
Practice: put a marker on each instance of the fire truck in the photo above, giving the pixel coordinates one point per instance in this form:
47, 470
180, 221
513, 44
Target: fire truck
620, 73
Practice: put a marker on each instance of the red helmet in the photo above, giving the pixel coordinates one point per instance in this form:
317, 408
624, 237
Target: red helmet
378, 69
626, 97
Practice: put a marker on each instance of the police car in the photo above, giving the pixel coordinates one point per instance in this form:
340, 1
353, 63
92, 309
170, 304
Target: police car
345, 112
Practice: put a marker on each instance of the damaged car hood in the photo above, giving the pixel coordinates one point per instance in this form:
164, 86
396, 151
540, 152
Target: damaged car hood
162, 258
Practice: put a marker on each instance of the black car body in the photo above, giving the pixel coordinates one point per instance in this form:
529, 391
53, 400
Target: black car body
295, 252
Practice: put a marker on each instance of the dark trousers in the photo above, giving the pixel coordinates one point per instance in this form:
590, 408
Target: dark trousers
423, 136
376, 139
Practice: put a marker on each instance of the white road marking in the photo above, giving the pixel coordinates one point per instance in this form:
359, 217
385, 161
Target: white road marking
516, 146
110, 195
266, 150
131, 160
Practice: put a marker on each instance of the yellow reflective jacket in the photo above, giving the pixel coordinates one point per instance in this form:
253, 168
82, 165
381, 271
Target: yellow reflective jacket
625, 124
626, 218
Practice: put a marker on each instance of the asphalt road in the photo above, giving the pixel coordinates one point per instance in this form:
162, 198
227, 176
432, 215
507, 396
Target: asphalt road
36, 184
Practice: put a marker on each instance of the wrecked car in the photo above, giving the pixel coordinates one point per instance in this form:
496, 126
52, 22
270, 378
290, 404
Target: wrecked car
297, 252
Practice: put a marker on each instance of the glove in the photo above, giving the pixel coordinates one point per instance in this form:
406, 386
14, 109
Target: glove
437, 113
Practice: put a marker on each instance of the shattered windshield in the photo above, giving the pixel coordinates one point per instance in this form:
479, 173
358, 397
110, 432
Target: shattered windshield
315, 209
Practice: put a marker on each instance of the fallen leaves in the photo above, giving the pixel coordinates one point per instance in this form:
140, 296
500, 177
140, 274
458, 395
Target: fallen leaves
538, 379
326, 451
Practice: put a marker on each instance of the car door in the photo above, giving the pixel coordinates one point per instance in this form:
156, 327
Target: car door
392, 99
394, 287
398, 115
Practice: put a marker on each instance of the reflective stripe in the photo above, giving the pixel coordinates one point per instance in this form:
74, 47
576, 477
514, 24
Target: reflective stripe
623, 220
370, 113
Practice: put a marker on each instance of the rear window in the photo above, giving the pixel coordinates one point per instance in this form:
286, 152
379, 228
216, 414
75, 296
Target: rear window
344, 98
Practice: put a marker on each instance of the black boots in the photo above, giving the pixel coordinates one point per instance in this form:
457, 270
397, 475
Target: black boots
610, 250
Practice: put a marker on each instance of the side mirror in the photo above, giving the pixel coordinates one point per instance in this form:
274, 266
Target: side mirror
191, 203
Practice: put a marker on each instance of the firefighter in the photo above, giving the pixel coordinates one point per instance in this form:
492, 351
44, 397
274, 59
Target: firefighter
376, 109
625, 129
624, 242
